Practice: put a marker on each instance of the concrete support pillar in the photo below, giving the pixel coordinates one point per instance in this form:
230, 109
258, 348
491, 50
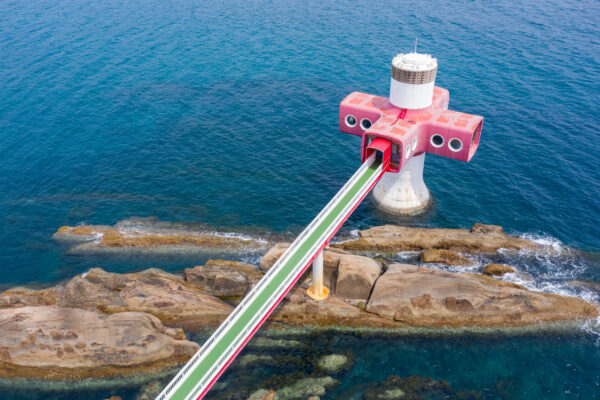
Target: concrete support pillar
404, 192
317, 290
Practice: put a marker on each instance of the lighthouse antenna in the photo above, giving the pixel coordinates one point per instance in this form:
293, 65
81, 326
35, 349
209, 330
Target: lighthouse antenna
416, 39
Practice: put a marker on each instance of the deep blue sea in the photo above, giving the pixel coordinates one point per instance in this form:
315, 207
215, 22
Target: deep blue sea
225, 114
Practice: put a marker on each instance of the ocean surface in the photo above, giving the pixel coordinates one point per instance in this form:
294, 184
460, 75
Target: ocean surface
224, 115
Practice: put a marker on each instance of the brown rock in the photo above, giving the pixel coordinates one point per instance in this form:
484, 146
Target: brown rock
107, 338
478, 227
356, 276
56, 334
80, 233
170, 298
32, 337
441, 256
272, 395
141, 234
458, 305
497, 269
429, 297
223, 278
391, 238
298, 309
19, 297
423, 301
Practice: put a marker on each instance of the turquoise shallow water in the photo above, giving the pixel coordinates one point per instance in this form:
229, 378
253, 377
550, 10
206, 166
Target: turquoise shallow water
226, 115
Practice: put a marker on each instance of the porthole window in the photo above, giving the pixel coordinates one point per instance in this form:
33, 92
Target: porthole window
350, 121
365, 123
437, 140
415, 142
455, 144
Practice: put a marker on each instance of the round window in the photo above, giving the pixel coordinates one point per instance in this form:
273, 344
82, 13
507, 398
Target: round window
350, 121
365, 123
437, 140
455, 144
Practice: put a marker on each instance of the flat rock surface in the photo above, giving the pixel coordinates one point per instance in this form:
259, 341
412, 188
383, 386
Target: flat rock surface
65, 343
392, 238
428, 297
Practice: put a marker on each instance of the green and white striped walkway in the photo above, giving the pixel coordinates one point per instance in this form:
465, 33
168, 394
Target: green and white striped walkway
198, 375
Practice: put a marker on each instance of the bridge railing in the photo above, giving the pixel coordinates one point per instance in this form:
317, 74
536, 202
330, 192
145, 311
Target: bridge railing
256, 290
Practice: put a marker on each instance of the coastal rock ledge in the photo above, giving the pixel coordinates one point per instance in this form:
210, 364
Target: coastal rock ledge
101, 324
479, 239
64, 343
150, 235
433, 298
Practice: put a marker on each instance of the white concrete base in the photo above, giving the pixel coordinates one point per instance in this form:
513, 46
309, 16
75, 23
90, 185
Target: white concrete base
403, 193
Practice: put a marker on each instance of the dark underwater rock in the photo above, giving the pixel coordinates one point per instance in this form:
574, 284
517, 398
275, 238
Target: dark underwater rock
416, 388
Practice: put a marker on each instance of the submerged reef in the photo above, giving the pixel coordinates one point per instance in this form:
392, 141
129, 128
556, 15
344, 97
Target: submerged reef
102, 324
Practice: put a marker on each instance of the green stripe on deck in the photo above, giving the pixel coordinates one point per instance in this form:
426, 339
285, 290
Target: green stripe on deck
221, 347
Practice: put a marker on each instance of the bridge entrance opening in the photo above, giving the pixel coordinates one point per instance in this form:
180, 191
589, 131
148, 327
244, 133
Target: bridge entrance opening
382, 149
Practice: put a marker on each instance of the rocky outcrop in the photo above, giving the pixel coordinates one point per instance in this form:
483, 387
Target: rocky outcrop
392, 238
111, 304
497, 269
64, 343
434, 298
151, 235
221, 278
81, 233
168, 297
176, 302
20, 297
299, 309
356, 276
441, 256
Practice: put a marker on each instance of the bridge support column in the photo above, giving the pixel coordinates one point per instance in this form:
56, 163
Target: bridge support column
403, 193
317, 290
